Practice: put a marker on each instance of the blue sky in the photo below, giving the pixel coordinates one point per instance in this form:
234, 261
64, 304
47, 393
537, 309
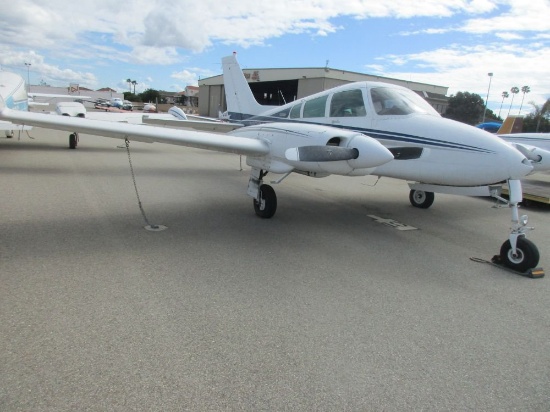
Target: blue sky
168, 45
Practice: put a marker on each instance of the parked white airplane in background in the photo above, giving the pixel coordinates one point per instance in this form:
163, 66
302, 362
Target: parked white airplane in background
14, 92
354, 130
535, 146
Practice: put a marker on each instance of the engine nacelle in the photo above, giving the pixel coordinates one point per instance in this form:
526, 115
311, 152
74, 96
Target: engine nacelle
316, 148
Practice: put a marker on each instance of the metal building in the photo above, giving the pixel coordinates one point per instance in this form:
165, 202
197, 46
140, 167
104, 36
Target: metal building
280, 86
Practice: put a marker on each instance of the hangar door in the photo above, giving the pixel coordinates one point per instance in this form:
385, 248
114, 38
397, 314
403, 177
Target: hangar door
275, 93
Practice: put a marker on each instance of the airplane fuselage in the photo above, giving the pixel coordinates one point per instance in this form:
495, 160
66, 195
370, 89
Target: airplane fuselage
427, 148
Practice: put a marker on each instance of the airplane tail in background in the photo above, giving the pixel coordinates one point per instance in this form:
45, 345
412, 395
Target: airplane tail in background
241, 103
512, 124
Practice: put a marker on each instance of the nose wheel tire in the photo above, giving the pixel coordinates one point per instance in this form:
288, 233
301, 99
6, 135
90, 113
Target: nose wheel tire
526, 256
421, 199
267, 205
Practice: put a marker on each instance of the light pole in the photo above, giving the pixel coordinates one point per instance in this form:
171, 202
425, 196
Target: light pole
28, 77
487, 100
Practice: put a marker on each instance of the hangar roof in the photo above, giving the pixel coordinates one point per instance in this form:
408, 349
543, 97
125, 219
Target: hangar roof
278, 74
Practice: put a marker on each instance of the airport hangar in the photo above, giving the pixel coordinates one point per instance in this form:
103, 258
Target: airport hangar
276, 87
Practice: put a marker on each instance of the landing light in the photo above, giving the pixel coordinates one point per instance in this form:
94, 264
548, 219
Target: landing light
523, 220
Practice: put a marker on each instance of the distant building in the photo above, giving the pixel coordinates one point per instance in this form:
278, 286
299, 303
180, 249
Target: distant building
280, 86
188, 97
76, 92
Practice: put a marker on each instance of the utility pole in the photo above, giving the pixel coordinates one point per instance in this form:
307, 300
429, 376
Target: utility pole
28, 77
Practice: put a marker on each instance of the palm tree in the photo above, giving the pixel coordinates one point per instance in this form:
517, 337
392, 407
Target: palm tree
134, 83
505, 95
524, 89
514, 90
129, 81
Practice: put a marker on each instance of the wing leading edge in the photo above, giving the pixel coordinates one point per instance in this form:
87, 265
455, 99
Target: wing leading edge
138, 132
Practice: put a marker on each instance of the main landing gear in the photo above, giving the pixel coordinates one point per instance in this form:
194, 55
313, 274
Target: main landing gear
73, 140
517, 253
421, 199
265, 199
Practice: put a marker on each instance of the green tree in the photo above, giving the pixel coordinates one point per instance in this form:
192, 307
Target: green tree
129, 81
539, 119
150, 95
465, 107
131, 97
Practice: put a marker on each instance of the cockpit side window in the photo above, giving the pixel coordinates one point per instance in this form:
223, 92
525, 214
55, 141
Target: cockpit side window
295, 111
282, 114
392, 101
348, 103
315, 107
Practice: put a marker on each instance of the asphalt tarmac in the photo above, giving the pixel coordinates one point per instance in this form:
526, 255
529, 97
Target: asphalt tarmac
321, 308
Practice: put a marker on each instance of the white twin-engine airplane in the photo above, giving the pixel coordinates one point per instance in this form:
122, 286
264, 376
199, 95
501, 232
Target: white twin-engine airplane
12, 89
359, 129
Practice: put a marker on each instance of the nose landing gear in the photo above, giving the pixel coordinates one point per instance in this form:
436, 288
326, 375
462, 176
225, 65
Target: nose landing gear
518, 253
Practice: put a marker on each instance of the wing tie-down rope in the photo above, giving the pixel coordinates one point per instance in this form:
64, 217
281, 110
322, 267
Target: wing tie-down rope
149, 226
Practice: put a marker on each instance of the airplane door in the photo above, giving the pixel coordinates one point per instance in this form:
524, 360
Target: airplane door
347, 109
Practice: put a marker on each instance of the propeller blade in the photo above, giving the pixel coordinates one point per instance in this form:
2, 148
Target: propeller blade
321, 153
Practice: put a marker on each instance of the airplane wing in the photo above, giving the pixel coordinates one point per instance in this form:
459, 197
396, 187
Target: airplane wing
138, 132
175, 118
32, 95
205, 125
534, 146
541, 140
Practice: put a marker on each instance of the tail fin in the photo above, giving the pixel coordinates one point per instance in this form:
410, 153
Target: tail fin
241, 103
512, 124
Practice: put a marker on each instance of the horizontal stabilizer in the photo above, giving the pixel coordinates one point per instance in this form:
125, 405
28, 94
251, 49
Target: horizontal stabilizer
321, 153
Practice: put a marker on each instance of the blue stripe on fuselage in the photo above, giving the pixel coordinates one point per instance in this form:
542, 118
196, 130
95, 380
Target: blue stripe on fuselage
250, 120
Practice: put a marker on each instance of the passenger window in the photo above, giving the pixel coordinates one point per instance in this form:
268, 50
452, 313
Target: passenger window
315, 107
347, 104
295, 111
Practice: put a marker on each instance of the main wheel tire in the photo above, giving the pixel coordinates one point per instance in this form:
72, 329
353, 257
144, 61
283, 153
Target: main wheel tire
526, 257
72, 141
267, 205
421, 199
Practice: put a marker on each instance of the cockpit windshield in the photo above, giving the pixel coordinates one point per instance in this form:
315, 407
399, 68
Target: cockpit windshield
393, 101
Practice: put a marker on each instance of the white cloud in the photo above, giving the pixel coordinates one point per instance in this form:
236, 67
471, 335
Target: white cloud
465, 69
194, 26
93, 33
15, 60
